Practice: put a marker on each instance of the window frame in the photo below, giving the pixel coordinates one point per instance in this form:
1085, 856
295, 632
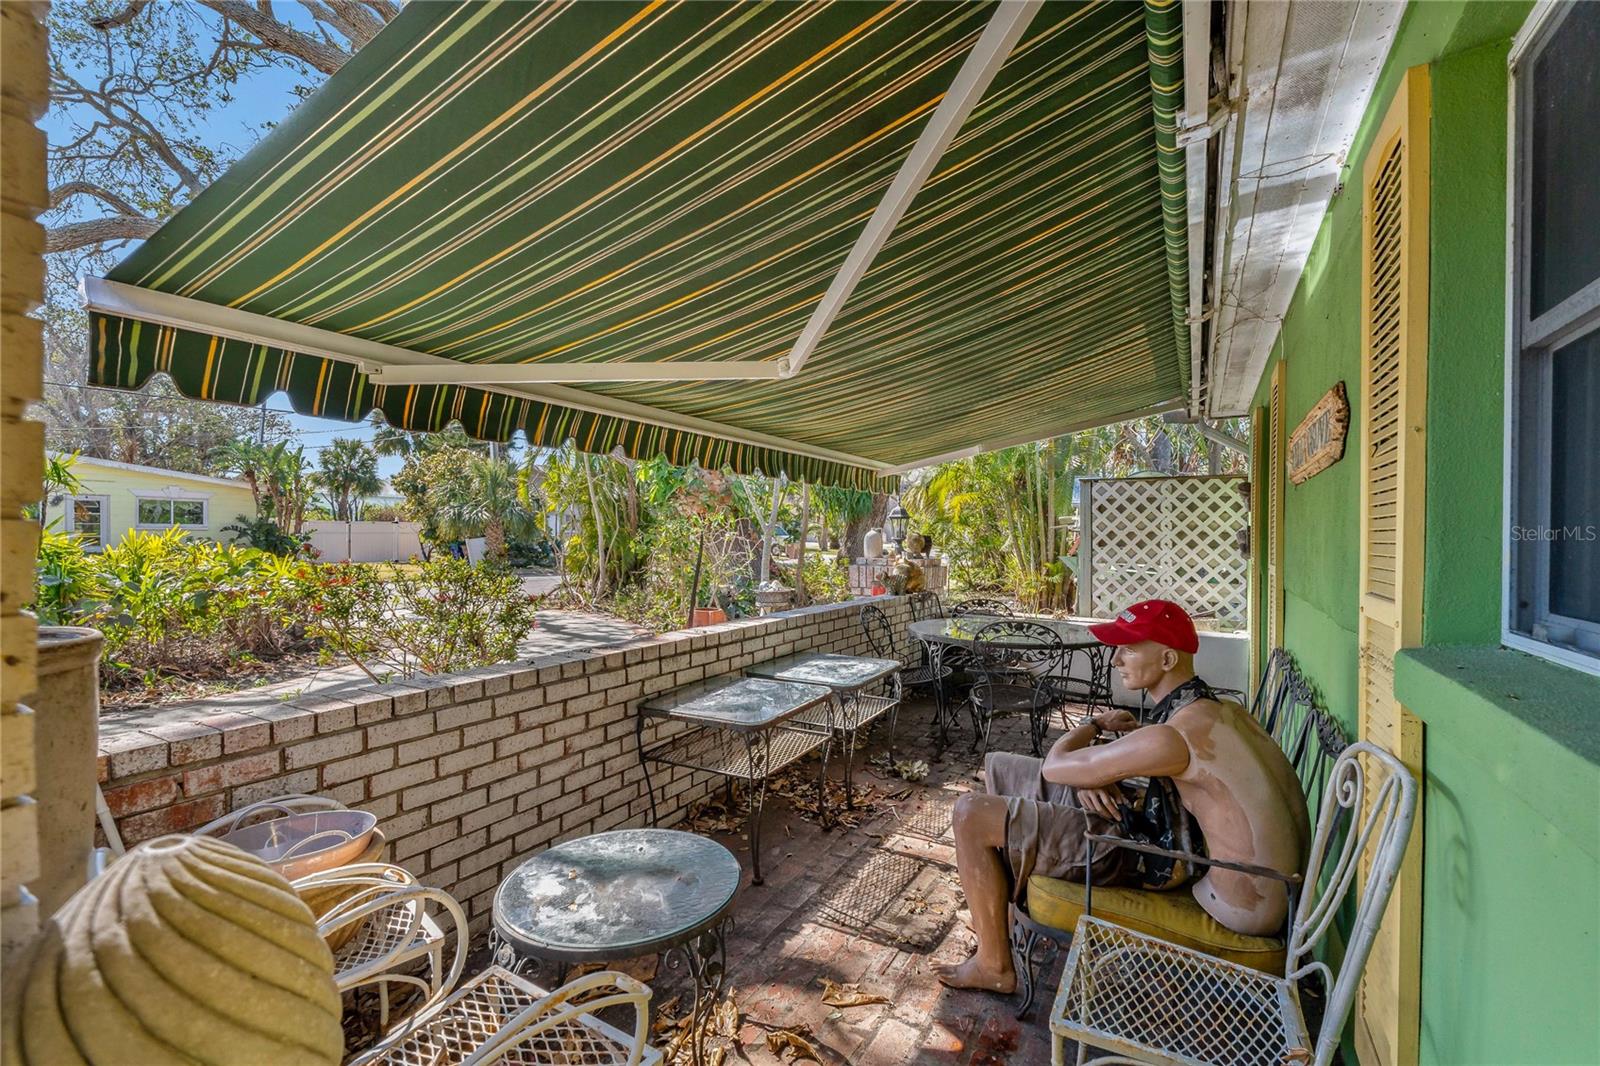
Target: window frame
172, 501
69, 522
1530, 345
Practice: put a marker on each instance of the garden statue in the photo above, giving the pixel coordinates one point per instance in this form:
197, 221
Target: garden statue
185, 950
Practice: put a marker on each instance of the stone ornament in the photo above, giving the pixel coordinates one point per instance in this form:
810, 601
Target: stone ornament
185, 950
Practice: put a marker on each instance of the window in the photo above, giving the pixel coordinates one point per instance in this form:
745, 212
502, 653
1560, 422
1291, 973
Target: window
165, 512
1553, 395
86, 516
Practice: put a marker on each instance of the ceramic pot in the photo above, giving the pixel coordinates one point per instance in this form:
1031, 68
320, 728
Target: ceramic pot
706, 616
66, 733
872, 544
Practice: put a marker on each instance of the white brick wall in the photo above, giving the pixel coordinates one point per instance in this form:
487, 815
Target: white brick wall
470, 773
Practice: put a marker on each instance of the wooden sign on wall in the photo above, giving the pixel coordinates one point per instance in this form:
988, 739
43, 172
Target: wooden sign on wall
1318, 441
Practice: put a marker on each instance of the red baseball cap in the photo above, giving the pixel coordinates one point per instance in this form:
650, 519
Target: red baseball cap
1159, 620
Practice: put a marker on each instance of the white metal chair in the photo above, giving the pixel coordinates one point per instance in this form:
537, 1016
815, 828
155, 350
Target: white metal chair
500, 1017
384, 914
1149, 1001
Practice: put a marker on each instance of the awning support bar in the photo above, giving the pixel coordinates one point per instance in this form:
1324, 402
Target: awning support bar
1005, 28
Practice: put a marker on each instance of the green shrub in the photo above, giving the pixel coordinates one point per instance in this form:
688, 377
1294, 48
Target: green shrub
173, 606
70, 586
437, 617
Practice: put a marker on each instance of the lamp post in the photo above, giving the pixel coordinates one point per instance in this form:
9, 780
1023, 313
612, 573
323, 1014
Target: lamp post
895, 525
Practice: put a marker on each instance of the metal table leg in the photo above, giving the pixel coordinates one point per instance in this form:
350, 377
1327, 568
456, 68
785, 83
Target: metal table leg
706, 959
757, 750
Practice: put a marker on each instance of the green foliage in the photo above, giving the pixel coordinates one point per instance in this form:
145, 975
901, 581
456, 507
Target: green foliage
59, 481
442, 616
172, 606
827, 577
70, 585
458, 492
659, 598
280, 479
266, 535
347, 470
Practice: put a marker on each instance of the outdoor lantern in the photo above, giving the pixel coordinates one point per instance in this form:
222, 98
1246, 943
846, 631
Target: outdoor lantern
895, 524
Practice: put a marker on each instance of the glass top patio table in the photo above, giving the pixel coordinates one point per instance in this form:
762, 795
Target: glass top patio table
963, 631
843, 673
616, 895
740, 703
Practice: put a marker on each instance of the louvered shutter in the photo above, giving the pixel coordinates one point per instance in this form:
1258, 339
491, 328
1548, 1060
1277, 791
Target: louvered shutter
1394, 412
1275, 506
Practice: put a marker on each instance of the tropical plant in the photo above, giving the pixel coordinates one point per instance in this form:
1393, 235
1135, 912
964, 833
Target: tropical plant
442, 616
266, 535
172, 606
69, 586
347, 471
486, 500
280, 479
59, 481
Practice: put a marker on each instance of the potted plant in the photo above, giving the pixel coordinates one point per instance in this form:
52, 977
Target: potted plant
703, 493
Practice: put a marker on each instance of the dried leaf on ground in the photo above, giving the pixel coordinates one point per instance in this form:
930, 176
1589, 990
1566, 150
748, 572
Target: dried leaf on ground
848, 995
642, 968
790, 1040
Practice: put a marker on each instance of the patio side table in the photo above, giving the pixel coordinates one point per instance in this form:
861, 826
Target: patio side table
741, 728
848, 676
620, 895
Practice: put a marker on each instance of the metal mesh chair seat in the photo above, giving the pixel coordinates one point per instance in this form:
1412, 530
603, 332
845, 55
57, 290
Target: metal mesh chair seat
1002, 698
386, 933
495, 1007
1148, 999
914, 676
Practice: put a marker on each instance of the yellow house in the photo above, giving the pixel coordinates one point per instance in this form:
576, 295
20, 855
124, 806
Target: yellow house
116, 497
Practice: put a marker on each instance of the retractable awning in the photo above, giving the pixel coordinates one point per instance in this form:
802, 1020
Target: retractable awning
828, 240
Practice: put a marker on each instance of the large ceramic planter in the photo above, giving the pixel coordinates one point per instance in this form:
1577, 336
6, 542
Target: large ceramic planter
66, 732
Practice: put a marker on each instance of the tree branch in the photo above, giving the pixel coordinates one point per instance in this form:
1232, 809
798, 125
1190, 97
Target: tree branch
70, 235
286, 39
121, 18
68, 189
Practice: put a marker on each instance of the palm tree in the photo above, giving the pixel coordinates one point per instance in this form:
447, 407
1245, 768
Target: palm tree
489, 498
349, 470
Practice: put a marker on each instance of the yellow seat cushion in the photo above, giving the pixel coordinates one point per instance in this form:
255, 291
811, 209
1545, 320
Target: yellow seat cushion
1173, 916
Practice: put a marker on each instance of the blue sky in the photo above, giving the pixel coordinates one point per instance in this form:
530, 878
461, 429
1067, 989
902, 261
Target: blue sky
264, 97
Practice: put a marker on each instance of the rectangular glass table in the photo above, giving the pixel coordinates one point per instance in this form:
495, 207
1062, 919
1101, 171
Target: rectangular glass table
743, 728
848, 677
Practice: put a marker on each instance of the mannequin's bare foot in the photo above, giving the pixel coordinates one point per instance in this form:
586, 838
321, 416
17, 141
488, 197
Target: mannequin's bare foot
972, 974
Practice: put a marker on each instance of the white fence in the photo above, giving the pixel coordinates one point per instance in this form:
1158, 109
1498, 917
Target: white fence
1172, 538
366, 542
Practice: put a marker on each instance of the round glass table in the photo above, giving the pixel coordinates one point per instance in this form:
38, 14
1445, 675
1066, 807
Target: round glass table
619, 895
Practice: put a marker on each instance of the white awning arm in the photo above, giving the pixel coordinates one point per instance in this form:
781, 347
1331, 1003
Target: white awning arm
1005, 28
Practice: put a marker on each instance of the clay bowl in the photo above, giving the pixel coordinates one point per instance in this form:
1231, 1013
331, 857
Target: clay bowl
306, 843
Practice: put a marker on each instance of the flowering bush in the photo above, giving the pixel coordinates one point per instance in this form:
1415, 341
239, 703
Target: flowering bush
437, 617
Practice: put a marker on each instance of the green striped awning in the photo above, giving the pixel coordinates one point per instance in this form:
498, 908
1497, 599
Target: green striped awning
610, 183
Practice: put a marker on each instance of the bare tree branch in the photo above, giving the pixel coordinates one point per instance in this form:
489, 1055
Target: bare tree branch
70, 235
121, 18
284, 38
67, 189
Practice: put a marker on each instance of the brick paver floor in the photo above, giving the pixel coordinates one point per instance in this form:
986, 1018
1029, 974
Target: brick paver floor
874, 906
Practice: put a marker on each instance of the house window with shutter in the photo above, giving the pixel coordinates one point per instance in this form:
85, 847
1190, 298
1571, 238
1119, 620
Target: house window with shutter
1552, 582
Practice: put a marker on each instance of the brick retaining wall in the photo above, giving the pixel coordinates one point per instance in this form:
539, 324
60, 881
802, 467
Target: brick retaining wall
468, 773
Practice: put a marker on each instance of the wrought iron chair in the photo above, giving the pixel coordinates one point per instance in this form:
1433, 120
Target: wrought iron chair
499, 1017
926, 605
1012, 658
376, 917
1148, 1000
981, 605
917, 672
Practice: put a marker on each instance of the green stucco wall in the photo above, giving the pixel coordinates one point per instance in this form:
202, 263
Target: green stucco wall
1510, 962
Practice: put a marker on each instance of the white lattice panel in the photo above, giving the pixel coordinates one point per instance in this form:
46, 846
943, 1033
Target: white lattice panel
1172, 538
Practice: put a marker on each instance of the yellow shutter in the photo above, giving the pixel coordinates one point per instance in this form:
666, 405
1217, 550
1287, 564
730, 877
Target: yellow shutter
1273, 609
1394, 383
